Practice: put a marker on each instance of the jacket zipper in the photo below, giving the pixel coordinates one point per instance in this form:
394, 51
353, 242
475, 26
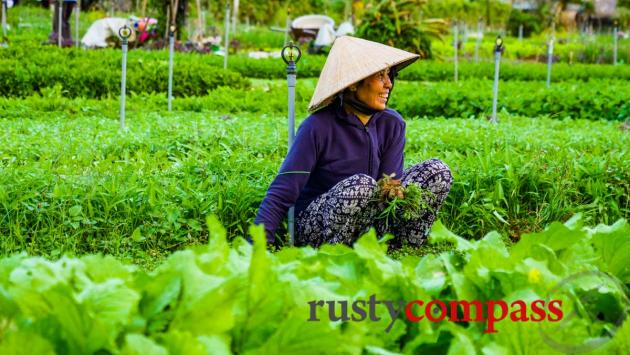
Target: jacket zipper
367, 132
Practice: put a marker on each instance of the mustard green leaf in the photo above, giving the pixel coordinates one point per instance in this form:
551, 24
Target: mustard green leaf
138, 344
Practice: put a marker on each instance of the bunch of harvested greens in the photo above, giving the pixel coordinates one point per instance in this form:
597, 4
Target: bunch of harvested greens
397, 201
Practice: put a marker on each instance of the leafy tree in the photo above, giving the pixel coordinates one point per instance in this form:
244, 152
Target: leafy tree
161, 10
529, 21
399, 23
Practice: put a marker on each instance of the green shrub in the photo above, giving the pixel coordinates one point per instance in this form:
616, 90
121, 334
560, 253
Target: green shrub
397, 24
567, 49
435, 71
85, 75
594, 100
470, 11
25, 71
530, 23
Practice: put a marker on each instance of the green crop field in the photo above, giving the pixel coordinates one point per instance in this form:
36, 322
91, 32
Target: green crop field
133, 241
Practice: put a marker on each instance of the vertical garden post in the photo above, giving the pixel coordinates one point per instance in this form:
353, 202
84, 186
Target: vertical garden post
227, 35
291, 55
549, 60
287, 27
59, 21
479, 37
171, 52
4, 19
498, 50
77, 15
124, 33
455, 47
615, 43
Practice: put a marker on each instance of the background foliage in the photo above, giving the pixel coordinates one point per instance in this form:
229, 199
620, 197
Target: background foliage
399, 24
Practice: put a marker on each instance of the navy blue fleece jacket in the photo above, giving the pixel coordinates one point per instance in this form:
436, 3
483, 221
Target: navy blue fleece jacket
330, 146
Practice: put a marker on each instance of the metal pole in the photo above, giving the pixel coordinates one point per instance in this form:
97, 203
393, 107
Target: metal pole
549, 61
291, 80
291, 60
235, 16
203, 22
287, 28
125, 33
171, 50
479, 37
520, 33
498, 49
464, 39
4, 19
615, 33
227, 32
168, 21
455, 33
59, 19
76, 23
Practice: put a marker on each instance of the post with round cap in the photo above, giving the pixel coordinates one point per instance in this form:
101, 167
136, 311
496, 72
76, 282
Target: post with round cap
455, 46
291, 55
227, 34
125, 32
615, 45
171, 50
498, 50
549, 60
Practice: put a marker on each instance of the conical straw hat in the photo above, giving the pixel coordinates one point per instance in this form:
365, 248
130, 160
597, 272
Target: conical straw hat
351, 60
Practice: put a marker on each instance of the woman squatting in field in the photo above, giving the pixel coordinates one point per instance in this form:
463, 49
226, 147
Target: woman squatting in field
349, 142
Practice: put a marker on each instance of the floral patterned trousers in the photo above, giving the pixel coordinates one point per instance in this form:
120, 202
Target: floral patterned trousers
348, 209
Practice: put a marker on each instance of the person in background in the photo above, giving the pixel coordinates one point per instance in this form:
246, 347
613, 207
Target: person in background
350, 141
67, 7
